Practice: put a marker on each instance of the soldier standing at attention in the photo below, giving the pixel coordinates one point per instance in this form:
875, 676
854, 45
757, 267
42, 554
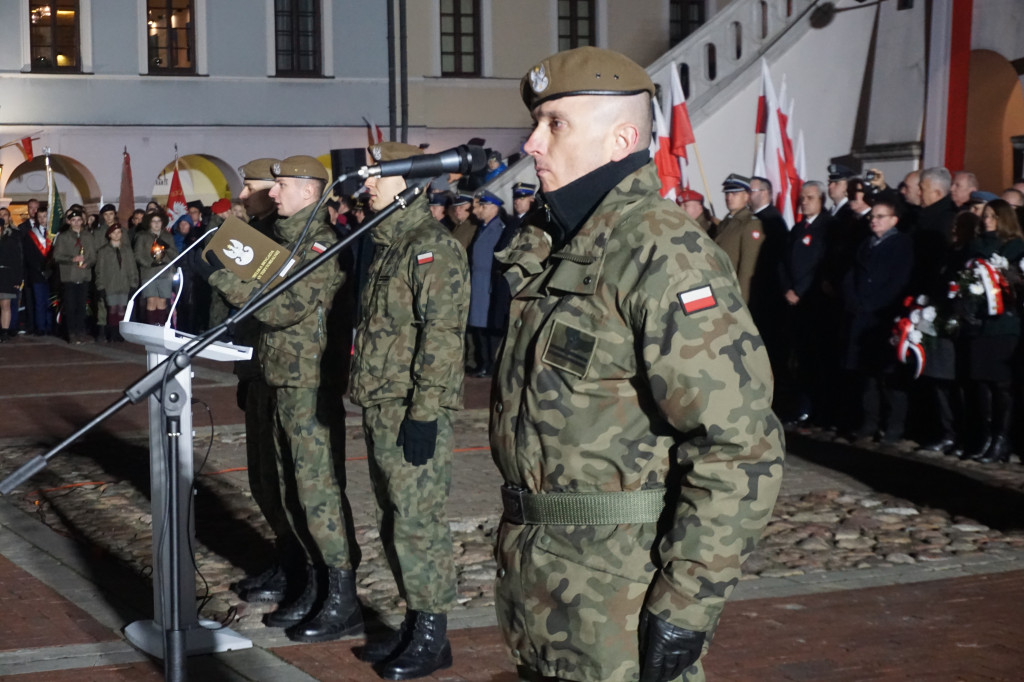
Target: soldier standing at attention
740, 234
632, 416
321, 604
407, 376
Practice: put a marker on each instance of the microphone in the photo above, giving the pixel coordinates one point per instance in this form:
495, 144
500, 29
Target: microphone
462, 159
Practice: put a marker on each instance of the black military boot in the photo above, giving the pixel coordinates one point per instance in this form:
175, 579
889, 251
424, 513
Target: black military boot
379, 650
297, 606
339, 614
999, 449
269, 587
426, 650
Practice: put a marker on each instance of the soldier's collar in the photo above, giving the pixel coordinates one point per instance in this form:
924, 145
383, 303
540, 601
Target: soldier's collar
570, 206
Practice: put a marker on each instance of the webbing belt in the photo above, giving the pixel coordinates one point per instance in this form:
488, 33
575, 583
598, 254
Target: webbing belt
582, 509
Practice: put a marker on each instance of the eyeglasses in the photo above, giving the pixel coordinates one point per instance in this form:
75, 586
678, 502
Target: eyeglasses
879, 216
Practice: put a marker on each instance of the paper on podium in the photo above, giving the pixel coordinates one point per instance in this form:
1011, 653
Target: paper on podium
247, 252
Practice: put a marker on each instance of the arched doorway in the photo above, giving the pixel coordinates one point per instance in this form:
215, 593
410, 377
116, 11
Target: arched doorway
995, 113
75, 183
202, 177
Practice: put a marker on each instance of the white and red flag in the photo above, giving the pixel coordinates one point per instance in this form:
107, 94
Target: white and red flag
176, 205
666, 162
374, 135
770, 159
681, 129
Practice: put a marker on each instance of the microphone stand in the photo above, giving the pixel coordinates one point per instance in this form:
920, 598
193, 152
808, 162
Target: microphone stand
159, 381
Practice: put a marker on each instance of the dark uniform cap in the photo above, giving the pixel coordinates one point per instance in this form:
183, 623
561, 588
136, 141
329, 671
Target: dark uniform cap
360, 202
392, 151
439, 198
258, 169
981, 197
461, 200
108, 207
736, 183
583, 71
488, 197
75, 212
300, 166
837, 171
195, 204
523, 189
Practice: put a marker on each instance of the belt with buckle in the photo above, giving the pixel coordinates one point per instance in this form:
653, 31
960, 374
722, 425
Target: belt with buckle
581, 509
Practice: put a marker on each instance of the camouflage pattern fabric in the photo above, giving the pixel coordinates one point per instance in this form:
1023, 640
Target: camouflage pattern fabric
409, 342
412, 508
408, 363
631, 362
312, 481
741, 236
298, 415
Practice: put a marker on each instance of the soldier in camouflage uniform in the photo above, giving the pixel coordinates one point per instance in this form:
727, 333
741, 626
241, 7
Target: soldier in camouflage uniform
632, 416
296, 416
407, 376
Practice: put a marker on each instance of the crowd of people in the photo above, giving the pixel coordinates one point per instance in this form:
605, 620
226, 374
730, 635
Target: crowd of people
889, 313
77, 282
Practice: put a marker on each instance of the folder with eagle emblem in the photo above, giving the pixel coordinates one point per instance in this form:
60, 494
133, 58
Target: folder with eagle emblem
247, 252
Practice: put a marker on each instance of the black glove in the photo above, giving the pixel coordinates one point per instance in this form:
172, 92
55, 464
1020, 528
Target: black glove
666, 650
417, 440
204, 268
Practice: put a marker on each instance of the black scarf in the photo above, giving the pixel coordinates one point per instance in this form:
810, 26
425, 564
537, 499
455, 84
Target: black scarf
569, 207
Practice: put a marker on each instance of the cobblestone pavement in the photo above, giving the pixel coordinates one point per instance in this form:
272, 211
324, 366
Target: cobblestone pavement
838, 511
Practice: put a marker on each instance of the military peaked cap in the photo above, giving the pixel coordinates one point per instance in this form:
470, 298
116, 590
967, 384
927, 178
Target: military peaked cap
488, 197
583, 71
523, 189
736, 183
258, 169
837, 171
392, 151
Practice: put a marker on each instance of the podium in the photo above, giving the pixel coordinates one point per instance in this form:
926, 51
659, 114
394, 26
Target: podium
201, 636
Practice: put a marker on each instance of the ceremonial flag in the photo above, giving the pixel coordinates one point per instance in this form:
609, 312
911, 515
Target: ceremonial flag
801, 170
55, 216
681, 129
26, 148
770, 161
791, 198
176, 205
666, 162
126, 202
374, 134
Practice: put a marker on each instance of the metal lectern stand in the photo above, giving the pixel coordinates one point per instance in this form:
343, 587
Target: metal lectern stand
200, 637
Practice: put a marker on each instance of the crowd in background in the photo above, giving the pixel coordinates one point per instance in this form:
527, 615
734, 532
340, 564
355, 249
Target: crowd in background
831, 294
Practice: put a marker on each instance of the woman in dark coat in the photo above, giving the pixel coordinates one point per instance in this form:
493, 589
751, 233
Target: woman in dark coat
992, 344
12, 272
153, 250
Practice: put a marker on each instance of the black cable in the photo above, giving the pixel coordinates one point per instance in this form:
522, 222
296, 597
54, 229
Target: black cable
205, 599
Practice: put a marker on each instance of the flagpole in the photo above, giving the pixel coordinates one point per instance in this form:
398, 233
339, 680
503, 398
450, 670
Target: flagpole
707, 191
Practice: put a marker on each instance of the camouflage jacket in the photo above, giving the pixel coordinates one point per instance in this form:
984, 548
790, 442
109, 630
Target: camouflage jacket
293, 329
741, 237
409, 342
630, 363
66, 246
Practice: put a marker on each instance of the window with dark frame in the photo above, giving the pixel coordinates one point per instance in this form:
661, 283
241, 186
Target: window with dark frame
684, 17
297, 30
576, 24
54, 36
170, 36
460, 38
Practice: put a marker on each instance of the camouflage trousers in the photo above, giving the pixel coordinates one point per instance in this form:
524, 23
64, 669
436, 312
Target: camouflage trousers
412, 509
694, 673
310, 470
261, 460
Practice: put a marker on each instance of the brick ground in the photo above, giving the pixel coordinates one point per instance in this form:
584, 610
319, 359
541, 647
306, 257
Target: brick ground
130, 672
32, 615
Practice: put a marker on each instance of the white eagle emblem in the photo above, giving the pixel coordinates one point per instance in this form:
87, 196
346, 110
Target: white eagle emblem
539, 78
375, 152
239, 252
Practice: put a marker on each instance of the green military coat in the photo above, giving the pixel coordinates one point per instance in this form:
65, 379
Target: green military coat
741, 237
113, 275
631, 362
409, 343
66, 246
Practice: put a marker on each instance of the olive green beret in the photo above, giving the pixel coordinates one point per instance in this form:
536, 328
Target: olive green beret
300, 167
258, 169
583, 71
392, 151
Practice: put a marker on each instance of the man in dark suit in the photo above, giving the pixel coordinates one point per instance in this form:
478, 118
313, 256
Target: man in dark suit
933, 235
36, 247
767, 305
800, 277
873, 290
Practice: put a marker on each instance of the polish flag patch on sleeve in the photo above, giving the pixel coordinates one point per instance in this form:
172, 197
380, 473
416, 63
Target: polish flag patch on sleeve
318, 247
696, 300
425, 257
